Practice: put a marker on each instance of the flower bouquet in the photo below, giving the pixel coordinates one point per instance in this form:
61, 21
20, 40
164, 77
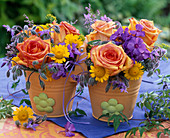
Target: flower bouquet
47, 54
117, 58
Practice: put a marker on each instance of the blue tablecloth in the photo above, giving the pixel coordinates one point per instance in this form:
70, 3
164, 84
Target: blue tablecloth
96, 128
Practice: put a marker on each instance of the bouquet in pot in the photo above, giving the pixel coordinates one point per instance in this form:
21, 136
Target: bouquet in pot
117, 58
51, 49
47, 54
117, 53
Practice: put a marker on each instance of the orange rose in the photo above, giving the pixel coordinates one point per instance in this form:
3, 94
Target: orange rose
65, 28
112, 57
102, 30
151, 32
33, 49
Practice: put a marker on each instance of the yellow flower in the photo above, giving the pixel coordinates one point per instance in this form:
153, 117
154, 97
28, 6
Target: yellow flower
16, 59
88, 55
51, 17
61, 52
22, 114
101, 74
70, 38
135, 72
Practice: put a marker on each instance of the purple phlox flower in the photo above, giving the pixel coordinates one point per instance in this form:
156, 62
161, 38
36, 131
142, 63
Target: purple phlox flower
45, 32
32, 125
157, 53
119, 85
136, 49
105, 18
61, 71
73, 50
9, 29
87, 19
117, 36
63, 43
138, 31
98, 12
68, 128
126, 36
88, 8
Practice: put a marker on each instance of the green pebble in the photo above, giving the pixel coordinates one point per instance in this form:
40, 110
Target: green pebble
104, 105
111, 114
39, 108
116, 113
50, 101
43, 103
49, 109
119, 107
104, 112
43, 96
36, 99
111, 109
112, 102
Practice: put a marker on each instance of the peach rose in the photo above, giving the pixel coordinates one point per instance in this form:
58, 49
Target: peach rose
151, 32
112, 57
33, 49
102, 30
65, 28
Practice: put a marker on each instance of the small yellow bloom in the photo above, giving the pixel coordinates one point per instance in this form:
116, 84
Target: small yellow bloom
124, 27
61, 53
16, 59
51, 17
101, 74
135, 72
23, 114
88, 55
70, 38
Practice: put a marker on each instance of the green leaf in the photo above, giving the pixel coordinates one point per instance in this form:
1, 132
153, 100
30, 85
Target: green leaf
158, 134
147, 105
26, 93
26, 101
141, 130
80, 111
73, 113
106, 115
116, 124
94, 42
127, 133
15, 84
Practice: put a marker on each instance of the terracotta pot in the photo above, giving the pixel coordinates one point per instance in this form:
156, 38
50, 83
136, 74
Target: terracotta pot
128, 100
50, 100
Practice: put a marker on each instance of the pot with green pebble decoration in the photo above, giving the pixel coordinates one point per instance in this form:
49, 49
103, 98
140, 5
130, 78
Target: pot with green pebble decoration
50, 100
113, 101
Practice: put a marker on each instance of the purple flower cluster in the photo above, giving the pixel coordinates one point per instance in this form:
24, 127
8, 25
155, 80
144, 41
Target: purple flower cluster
120, 85
73, 50
132, 44
90, 18
105, 18
58, 70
